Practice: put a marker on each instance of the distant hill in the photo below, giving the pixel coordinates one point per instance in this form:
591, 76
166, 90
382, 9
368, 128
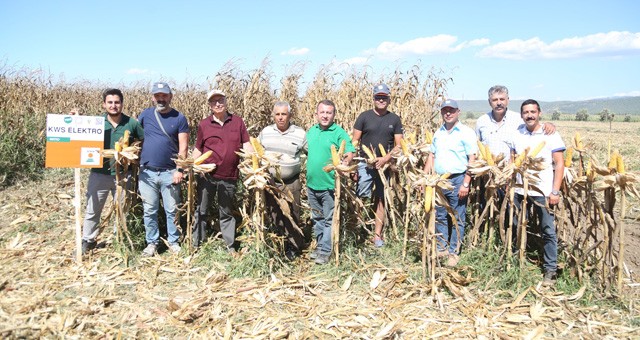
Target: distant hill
617, 105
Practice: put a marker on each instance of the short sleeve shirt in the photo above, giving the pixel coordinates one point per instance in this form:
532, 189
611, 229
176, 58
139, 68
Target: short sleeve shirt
498, 134
553, 143
289, 144
452, 148
158, 150
378, 130
319, 154
224, 140
112, 134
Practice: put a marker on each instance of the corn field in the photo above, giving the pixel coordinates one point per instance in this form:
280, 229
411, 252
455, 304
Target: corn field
589, 219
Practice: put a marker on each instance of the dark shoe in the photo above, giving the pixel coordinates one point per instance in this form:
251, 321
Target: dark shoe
322, 259
290, 254
549, 279
88, 246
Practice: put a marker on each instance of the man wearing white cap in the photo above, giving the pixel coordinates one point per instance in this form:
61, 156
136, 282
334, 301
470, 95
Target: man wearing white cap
378, 126
224, 133
453, 148
166, 136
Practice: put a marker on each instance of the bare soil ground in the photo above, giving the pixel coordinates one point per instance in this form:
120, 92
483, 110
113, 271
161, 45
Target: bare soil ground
44, 293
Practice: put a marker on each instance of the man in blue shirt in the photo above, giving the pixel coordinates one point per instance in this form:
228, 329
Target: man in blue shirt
166, 135
453, 148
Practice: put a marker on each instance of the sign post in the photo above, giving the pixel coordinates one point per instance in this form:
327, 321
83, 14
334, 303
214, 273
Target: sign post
74, 142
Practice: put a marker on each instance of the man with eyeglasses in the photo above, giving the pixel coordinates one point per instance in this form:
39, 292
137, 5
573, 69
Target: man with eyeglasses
224, 133
453, 148
378, 126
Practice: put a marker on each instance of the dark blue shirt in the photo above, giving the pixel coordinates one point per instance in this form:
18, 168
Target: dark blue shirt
158, 150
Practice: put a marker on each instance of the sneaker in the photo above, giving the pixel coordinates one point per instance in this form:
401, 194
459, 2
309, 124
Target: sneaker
549, 279
442, 253
322, 259
453, 260
150, 250
175, 248
291, 254
378, 242
314, 254
88, 246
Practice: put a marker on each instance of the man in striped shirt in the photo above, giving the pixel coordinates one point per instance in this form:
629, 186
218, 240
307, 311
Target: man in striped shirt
289, 141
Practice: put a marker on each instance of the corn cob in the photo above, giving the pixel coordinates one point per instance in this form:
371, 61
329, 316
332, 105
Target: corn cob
125, 139
620, 164
445, 175
368, 152
254, 161
568, 160
428, 137
405, 148
202, 157
259, 149
383, 152
481, 150
520, 158
118, 146
490, 159
428, 193
613, 161
411, 137
536, 151
335, 159
577, 140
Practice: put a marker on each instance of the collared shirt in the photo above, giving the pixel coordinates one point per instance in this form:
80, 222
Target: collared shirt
224, 140
553, 143
497, 135
452, 148
289, 144
112, 134
319, 143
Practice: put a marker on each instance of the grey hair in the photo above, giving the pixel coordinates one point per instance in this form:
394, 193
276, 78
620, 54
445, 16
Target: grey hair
498, 89
282, 104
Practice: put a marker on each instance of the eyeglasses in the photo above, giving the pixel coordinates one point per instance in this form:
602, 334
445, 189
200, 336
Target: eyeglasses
380, 97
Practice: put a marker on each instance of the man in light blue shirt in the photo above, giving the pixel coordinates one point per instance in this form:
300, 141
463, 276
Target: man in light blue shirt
453, 148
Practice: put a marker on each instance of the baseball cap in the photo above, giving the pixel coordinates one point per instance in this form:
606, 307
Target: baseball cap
449, 103
160, 87
215, 92
381, 89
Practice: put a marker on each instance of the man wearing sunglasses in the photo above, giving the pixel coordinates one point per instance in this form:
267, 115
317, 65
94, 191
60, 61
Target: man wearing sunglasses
378, 126
453, 148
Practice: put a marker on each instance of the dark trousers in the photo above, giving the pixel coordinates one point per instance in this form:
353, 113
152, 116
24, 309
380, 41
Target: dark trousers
224, 190
283, 224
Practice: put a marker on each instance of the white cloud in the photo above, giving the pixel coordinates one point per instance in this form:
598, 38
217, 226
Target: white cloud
628, 94
611, 44
137, 71
437, 44
296, 51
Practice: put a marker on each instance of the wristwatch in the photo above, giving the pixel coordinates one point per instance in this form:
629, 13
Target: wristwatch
466, 185
180, 170
555, 193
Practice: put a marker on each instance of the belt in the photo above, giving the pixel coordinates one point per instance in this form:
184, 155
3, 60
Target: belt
153, 168
456, 175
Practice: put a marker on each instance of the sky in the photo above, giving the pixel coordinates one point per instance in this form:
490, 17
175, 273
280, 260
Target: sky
546, 50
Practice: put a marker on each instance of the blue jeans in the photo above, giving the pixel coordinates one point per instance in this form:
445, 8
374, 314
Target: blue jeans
452, 234
548, 227
321, 203
153, 184
368, 181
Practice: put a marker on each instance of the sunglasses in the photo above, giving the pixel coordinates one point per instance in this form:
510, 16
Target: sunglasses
380, 97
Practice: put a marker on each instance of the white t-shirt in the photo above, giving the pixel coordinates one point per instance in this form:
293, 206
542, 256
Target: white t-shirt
524, 139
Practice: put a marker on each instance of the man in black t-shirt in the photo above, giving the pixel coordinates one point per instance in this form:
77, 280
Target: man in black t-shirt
372, 128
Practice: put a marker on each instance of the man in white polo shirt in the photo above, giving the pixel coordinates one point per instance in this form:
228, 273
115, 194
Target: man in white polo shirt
453, 148
530, 135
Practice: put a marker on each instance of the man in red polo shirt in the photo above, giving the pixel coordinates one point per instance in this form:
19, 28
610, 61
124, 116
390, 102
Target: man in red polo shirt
224, 133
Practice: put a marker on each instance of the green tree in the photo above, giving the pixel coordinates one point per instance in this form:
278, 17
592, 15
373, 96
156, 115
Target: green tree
556, 115
582, 115
606, 115
627, 118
